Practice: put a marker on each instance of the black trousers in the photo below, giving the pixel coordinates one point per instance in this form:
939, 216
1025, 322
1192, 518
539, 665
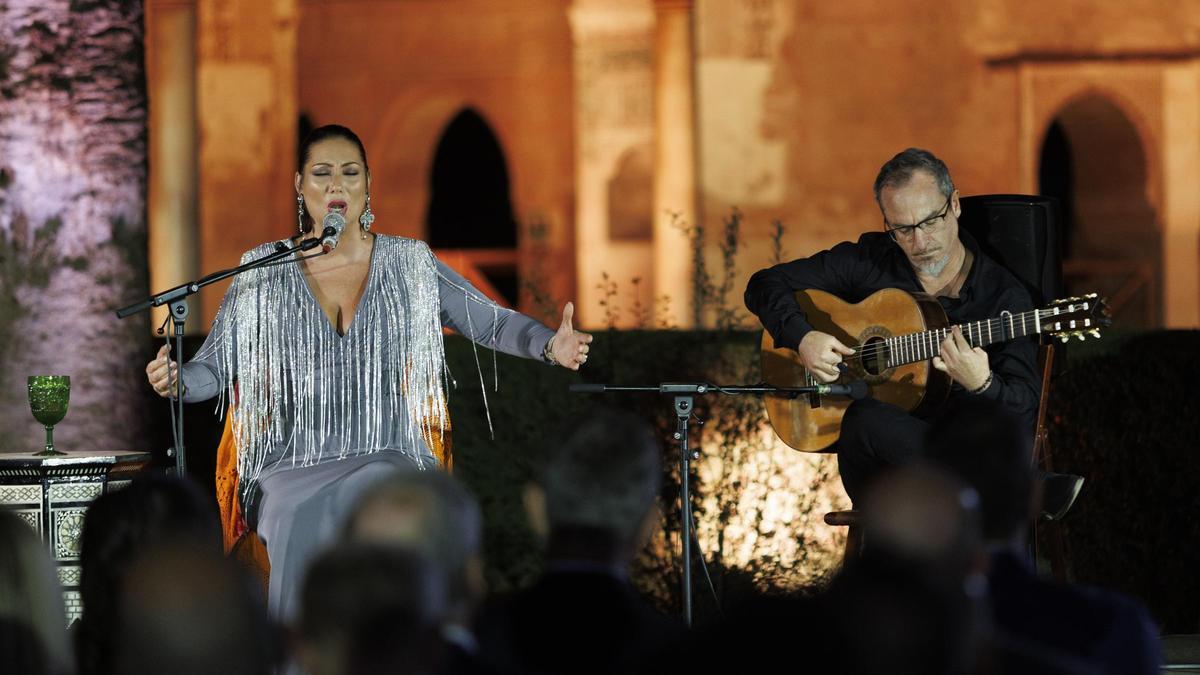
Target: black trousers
876, 436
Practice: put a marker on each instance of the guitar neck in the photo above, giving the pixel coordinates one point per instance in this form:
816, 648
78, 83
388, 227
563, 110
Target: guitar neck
913, 347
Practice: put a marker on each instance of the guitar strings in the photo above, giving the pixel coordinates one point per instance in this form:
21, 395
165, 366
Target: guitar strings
911, 339
884, 345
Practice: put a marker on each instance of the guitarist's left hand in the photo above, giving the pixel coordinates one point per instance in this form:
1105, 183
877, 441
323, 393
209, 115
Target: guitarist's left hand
965, 364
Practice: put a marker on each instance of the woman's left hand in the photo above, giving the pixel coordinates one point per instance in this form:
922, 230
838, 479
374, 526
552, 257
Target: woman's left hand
570, 347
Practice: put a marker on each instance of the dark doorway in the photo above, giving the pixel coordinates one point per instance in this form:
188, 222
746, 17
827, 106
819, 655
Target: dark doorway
469, 202
1056, 179
1093, 160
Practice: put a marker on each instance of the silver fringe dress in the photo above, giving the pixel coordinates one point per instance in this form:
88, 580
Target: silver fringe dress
318, 416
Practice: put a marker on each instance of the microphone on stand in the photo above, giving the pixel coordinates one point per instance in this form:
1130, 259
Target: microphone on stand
332, 226
856, 389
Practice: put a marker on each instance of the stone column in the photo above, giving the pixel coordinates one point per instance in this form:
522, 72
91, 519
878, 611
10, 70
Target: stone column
1181, 201
674, 155
171, 88
614, 123
72, 218
247, 110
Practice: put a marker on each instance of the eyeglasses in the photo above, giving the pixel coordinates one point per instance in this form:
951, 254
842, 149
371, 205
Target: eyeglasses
931, 224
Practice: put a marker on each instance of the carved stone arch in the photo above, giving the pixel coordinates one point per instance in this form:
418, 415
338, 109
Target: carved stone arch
404, 147
470, 202
1140, 114
631, 195
1111, 211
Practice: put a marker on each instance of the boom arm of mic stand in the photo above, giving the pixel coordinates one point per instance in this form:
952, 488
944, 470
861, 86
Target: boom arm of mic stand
698, 388
193, 287
177, 299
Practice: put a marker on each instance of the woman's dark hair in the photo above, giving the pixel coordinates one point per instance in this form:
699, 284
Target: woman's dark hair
316, 136
324, 133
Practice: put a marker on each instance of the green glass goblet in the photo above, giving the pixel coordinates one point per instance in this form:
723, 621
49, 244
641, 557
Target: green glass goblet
49, 396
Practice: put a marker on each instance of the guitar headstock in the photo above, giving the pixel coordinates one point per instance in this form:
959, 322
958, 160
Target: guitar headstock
1079, 317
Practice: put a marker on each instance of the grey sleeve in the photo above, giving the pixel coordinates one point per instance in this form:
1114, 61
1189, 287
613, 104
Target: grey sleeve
481, 320
205, 374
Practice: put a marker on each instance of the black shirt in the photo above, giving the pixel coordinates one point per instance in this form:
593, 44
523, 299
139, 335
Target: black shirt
853, 271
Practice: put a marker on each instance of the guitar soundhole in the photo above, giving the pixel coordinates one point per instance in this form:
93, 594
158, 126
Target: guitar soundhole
875, 355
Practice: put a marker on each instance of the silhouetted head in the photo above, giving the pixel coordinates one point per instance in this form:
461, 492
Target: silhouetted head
431, 512
599, 483
990, 449
119, 527
371, 609
190, 611
914, 602
33, 635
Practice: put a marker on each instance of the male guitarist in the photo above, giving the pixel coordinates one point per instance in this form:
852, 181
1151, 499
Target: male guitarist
921, 249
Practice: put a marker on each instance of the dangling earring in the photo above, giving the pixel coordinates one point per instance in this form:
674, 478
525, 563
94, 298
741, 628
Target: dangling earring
300, 213
366, 219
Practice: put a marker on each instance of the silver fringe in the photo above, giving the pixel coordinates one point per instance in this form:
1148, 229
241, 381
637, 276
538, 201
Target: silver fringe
299, 385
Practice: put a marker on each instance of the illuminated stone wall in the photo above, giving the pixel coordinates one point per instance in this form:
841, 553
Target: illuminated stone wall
72, 213
799, 103
246, 119
399, 72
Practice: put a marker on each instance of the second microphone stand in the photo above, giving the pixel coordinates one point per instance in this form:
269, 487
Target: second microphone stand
684, 394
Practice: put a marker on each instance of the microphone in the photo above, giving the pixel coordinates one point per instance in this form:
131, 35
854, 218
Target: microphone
587, 388
332, 226
855, 390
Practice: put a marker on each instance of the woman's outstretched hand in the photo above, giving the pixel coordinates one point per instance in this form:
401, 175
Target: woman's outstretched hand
569, 346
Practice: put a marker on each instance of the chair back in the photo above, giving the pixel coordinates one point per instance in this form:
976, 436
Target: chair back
1022, 233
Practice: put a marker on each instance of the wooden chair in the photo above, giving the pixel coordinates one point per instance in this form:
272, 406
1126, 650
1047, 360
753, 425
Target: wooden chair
1023, 234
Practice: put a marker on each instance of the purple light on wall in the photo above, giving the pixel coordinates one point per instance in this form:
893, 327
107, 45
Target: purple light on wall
72, 217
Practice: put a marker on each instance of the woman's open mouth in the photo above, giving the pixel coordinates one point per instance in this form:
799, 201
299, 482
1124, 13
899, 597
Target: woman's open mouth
336, 207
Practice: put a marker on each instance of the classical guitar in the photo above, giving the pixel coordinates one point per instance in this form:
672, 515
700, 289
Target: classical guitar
895, 334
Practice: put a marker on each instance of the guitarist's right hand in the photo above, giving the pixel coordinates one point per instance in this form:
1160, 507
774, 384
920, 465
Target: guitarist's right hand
821, 353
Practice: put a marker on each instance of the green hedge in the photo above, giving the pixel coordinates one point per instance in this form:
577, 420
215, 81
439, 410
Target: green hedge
533, 407
1123, 414
1126, 416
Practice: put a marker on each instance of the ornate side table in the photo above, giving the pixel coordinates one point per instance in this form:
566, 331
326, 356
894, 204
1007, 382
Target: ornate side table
52, 494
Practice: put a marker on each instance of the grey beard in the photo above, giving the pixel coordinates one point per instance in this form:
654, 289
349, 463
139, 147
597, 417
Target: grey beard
935, 269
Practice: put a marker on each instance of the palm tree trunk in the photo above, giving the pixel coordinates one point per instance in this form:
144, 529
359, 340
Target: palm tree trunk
72, 217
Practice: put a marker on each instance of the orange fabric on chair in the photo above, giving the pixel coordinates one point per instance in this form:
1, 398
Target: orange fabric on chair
248, 551
441, 446
232, 524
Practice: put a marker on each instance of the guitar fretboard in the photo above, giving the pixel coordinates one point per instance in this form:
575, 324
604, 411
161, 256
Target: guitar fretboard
913, 347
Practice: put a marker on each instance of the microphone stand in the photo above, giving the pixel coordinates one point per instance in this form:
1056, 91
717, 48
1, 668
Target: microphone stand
176, 298
684, 394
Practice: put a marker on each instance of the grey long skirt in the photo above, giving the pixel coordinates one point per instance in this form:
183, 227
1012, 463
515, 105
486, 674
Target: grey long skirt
304, 510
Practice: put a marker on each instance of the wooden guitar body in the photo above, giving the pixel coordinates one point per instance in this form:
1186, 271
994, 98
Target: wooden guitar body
813, 423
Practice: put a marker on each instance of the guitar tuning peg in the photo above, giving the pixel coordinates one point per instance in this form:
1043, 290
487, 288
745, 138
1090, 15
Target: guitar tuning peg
1079, 334
1064, 338
1095, 332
